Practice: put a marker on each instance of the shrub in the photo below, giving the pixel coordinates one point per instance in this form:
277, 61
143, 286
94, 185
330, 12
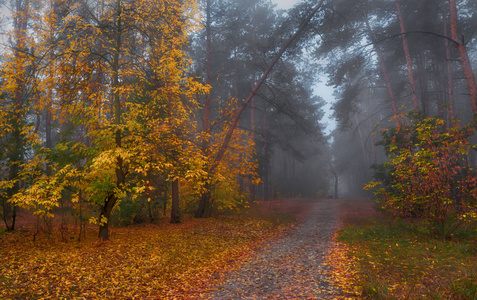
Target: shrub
428, 174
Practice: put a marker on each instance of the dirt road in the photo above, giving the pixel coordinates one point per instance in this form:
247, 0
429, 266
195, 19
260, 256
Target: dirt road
291, 267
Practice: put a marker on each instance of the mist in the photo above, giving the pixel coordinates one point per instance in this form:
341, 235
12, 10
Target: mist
238, 149
254, 100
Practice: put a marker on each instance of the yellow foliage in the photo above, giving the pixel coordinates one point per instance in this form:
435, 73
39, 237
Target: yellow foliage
158, 262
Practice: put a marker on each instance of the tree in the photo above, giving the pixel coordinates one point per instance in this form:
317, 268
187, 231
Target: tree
407, 40
114, 58
408, 57
17, 73
464, 58
236, 117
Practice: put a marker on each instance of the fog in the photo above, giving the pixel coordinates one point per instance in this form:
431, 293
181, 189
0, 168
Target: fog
241, 119
285, 4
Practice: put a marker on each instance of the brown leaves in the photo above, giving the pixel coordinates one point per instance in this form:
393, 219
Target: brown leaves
154, 261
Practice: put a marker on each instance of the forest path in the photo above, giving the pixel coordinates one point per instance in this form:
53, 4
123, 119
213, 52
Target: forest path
292, 266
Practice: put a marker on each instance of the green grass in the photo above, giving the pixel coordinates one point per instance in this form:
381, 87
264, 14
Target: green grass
399, 260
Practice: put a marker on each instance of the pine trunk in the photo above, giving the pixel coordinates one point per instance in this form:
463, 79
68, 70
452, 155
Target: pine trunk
450, 85
464, 57
383, 69
408, 58
266, 163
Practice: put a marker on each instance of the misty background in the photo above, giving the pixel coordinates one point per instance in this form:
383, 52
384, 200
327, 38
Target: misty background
311, 130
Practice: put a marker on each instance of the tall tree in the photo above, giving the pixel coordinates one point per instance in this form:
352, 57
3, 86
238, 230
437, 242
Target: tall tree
424, 58
408, 57
464, 57
256, 39
121, 70
17, 73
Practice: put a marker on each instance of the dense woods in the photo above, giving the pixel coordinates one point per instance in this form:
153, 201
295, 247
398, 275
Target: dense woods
404, 83
124, 110
144, 145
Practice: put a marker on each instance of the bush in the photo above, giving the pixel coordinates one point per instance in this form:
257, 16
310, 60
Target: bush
428, 174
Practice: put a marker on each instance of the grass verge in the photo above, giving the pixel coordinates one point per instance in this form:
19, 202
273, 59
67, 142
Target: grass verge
397, 260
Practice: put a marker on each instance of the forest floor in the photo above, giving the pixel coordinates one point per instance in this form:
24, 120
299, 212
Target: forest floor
297, 265
279, 250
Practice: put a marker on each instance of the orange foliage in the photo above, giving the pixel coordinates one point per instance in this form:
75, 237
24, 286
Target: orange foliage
146, 262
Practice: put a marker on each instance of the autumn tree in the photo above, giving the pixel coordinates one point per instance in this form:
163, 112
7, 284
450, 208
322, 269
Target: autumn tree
427, 175
119, 68
16, 134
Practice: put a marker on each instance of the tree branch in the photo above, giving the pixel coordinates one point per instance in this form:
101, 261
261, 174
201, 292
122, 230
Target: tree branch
416, 32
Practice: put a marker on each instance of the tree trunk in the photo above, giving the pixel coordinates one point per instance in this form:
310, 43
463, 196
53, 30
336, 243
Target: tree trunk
408, 58
204, 204
361, 141
48, 117
252, 126
120, 173
175, 211
450, 85
373, 146
105, 217
423, 81
205, 144
9, 216
205, 197
266, 180
336, 185
16, 155
266, 163
464, 57
383, 69
336, 177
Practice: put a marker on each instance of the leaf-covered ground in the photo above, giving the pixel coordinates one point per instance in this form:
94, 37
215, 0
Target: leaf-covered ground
144, 262
263, 255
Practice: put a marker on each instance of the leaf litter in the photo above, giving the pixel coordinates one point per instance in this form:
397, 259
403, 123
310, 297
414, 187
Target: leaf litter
239, 257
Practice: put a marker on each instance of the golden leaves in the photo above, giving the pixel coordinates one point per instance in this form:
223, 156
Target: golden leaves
344, 273
121, 95
154, 261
